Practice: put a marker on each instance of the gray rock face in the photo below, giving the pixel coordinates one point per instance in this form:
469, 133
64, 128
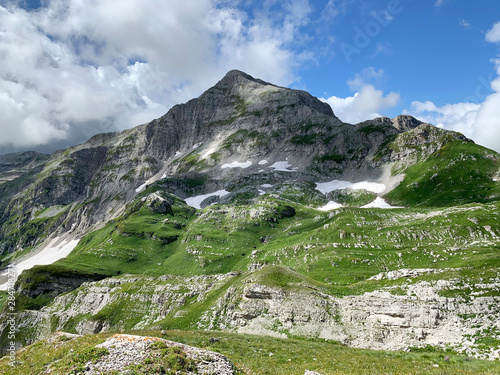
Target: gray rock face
240, 119
51, 284
405, 122
376, 320
70, 181
13, 165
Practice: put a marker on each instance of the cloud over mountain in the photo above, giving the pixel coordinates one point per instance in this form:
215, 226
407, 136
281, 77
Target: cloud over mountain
73, 69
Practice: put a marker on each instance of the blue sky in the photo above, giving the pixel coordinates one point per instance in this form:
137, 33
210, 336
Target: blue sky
71, 69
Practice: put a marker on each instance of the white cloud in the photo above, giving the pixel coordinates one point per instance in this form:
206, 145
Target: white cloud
363, 105
493, 35
464, 23
487, 126
367, 76
458, 117
479, 120
367, 102
438, 3
82, 67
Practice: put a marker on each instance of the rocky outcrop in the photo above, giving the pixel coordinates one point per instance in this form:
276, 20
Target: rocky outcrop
241, 119
376, 320
125, 351
384, 319
405, 123
51, 281
150, 300
16, 164
70, 180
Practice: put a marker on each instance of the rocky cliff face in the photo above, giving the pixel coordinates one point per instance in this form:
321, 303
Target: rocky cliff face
297, 188
240, 120
377, 320
414, 315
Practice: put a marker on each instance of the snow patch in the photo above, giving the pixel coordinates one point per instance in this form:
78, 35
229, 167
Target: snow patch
261, 192
208, 153
327, 187
56, 249
379, 203
178, 153
237, 164
266, 186
263, 162
406, 272
331, 205
283, 166
196, 146
141, 188
196, 201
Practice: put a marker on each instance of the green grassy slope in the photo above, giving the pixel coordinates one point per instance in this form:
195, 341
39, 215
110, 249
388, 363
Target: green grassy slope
257, 355
460, 172
339, 249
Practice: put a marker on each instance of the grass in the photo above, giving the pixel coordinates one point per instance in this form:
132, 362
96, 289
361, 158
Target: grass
334, 252
3, 299
350, 197
341, 251
459, 173
62, 357
257, 355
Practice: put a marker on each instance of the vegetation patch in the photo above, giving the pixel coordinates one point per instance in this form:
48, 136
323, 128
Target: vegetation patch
460, 172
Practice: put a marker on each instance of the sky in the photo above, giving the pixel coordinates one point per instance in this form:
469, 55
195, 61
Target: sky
70, 69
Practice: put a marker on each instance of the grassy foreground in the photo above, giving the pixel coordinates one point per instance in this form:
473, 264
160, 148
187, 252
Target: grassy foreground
259, 355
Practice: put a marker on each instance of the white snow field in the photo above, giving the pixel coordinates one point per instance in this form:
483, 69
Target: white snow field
283, 166
327, 187
331, 205
141, 188
196, 201
56, 249
379, 203
237, 164
208, 153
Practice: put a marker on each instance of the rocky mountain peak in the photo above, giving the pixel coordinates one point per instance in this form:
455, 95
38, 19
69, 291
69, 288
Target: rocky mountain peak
238, 77
405, 122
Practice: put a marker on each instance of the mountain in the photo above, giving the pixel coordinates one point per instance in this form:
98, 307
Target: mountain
254, 209
240, 119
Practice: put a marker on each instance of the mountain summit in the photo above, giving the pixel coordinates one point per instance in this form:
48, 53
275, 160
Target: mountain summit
254, 209
240, 127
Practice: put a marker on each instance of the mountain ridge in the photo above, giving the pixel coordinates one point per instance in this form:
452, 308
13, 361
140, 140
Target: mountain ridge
249, 196
238, 119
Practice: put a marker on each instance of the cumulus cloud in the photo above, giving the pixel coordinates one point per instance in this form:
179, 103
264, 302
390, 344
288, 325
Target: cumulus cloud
73, 69
478, 117
365, 104
481, 122
368, 75
493, 35
459, 117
